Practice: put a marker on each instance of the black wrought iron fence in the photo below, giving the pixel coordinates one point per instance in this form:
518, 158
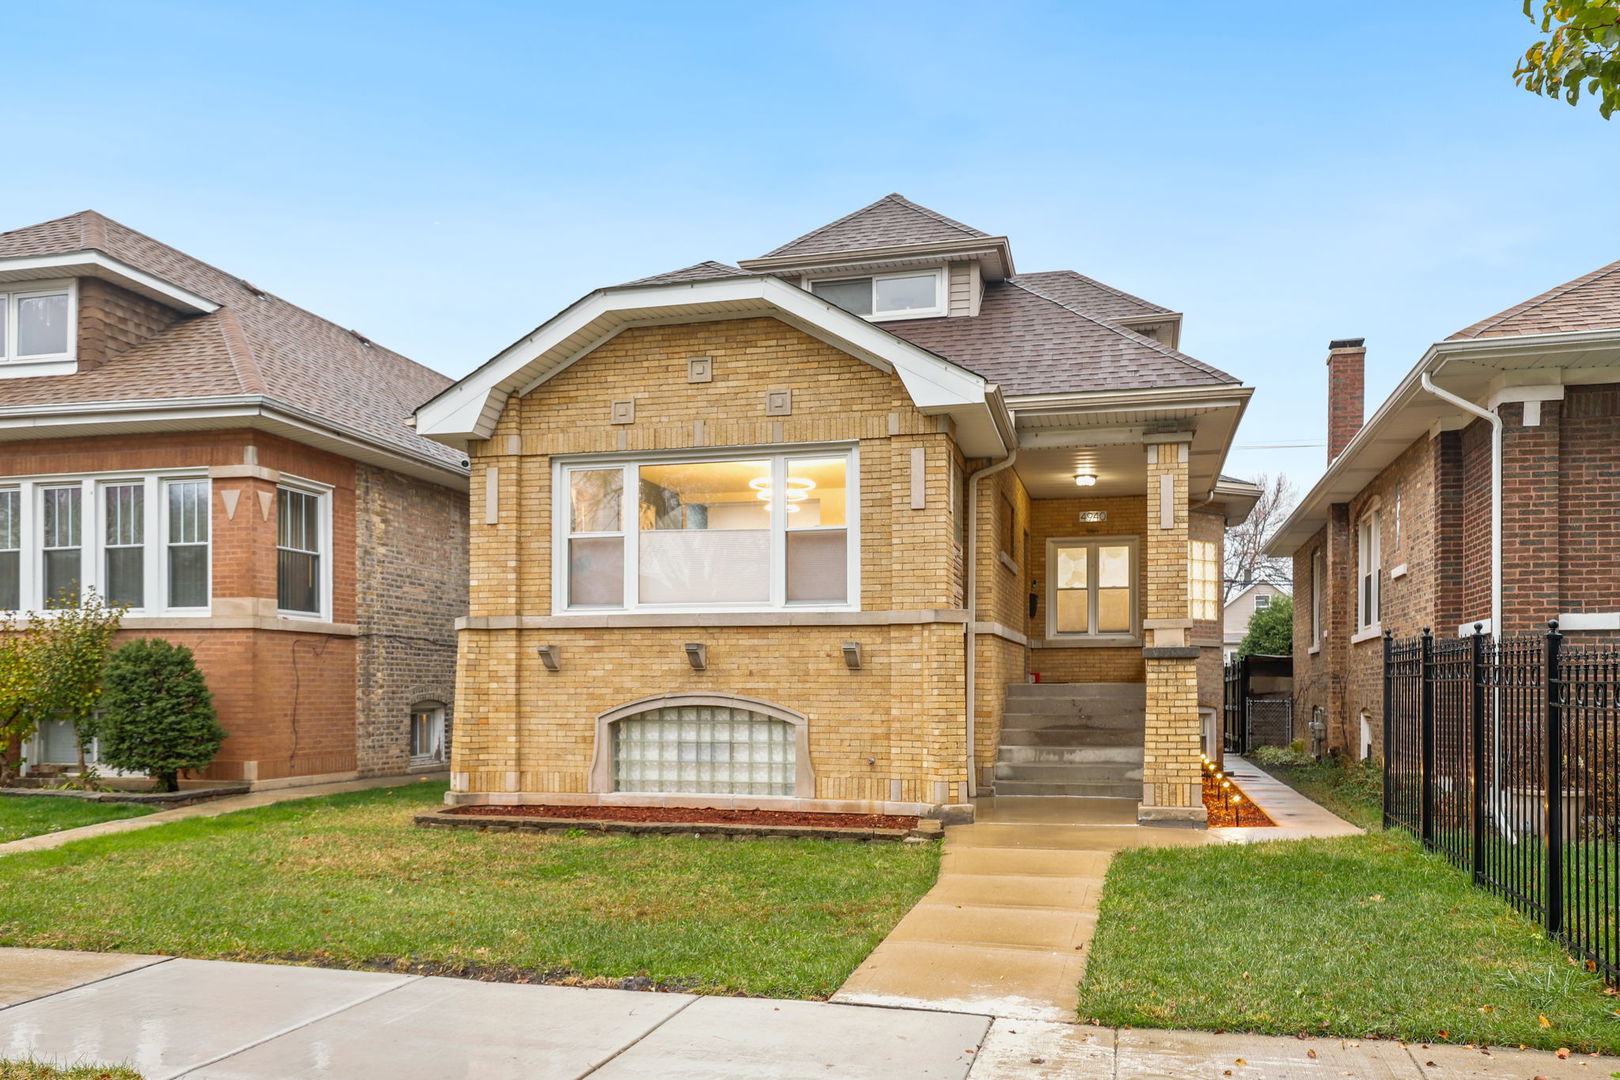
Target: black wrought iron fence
1504, 755
1249, 720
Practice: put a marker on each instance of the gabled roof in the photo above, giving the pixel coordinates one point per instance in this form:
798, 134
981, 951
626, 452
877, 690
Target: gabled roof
253, 346
891, 221
1590, 302
703, 271
1028, 341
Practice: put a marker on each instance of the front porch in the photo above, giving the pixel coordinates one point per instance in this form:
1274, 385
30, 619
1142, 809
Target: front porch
1096, 585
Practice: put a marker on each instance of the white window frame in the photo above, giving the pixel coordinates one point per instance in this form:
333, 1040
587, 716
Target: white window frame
93, 533
1134, 636
1369, 566
61, 363
1318, 588
1262, 601
942, 299
323, 510
779, 456
436, 713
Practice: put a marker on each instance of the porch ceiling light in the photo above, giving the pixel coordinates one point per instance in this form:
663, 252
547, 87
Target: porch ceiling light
1085, 479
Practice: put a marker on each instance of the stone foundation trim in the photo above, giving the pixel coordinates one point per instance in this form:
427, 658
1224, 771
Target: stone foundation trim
1172, 652
1186, 817
516, 823
710, 618
1000, 630
951, 813
804, 780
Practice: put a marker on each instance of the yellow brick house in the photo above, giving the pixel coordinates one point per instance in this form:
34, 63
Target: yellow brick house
872, 523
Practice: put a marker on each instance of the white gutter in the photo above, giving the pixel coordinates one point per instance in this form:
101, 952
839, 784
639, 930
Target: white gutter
971, 598
1496, 489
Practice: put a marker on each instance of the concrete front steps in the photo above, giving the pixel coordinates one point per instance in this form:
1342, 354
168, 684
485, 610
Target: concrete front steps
1073, 739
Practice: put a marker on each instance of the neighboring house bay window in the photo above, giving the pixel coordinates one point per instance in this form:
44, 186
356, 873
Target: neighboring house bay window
62, 536
301, 542
762, 531
1092, 589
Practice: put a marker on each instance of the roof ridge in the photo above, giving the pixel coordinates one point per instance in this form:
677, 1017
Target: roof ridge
935, 214
243, 362
1105, 287
1534, 302
892, 197
1129, 334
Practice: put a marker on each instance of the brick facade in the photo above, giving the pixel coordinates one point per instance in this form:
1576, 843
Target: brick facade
1561, 550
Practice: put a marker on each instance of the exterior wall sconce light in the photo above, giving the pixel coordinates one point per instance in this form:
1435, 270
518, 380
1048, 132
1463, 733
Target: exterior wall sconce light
852, 655
697, 654
550, 656
1085, 479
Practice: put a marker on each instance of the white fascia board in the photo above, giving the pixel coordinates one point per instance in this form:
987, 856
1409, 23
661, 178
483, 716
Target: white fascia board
468, 409
99, 264
223, 411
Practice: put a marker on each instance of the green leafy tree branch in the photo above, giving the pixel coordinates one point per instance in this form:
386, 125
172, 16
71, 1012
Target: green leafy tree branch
1581, 52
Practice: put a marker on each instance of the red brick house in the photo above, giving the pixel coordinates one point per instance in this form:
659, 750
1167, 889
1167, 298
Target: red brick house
1485, 490
241, 473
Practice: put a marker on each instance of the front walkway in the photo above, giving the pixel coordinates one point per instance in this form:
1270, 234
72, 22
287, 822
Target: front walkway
1006, 929
212, 808
224, 1021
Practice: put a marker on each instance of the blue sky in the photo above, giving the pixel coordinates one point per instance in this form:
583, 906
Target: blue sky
444, 177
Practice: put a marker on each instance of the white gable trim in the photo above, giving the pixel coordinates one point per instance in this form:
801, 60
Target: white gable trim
97, 264
470, 408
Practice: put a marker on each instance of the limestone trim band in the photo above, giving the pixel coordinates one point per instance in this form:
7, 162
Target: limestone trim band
738, 618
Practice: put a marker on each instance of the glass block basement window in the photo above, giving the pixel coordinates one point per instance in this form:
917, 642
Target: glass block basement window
703, 749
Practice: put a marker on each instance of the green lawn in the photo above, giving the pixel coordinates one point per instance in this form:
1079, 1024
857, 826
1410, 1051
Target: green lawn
347, 881
22, 816
33, 1070
1356, 936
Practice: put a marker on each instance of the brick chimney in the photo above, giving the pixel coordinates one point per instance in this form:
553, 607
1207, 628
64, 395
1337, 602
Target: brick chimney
1346, 362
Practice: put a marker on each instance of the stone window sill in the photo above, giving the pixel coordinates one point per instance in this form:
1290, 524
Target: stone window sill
1376, 630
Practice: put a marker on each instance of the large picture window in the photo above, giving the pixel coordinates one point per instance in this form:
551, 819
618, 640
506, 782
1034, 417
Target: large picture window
1091, 592
61, 536
761, 531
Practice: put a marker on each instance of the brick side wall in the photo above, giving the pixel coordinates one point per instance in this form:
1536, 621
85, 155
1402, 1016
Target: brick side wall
1060, 518
411, 587
112, 320
1589, 476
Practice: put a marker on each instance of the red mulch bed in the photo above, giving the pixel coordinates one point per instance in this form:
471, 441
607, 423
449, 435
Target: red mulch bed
694, 815
1224, 813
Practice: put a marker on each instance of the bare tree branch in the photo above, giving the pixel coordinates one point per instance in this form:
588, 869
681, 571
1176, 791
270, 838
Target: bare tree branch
1246, 560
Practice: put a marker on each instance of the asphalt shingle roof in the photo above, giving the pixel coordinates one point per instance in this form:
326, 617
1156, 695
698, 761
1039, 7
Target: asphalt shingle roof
892, 220
1031, 342
1590, 302
1090, 295
703, 271
255, 344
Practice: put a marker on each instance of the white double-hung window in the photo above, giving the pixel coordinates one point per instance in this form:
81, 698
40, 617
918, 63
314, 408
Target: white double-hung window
754, 531
141, 541
1369, 566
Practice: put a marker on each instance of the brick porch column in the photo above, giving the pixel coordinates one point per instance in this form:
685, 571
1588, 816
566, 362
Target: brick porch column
1172, 790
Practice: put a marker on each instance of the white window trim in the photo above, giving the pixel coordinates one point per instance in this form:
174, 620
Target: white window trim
1134, 636
62, 363
323, 505
942, 299
779, 455
1369, 562
1318, 581
92, 538
438, 713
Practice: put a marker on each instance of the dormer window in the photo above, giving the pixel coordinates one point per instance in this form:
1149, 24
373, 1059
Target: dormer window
907, 295
36, 322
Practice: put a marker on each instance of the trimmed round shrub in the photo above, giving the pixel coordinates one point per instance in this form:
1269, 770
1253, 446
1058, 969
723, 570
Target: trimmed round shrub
157, 714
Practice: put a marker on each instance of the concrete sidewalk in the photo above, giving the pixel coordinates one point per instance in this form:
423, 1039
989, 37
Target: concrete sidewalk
212, 808
224, 1021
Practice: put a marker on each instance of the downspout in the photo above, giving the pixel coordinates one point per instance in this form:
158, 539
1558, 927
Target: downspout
1496, 557
971, 597
1496, 491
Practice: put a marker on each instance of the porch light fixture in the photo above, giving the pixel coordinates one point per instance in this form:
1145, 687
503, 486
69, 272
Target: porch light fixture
550, 656
1085, 479
852, 655
697, 654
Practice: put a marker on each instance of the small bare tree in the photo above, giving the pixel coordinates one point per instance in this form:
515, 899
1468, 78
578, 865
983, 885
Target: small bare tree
1246, 559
